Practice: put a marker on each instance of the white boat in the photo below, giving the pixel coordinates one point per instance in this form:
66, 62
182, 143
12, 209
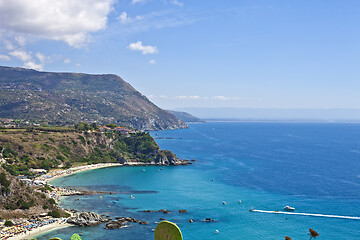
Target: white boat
289, 209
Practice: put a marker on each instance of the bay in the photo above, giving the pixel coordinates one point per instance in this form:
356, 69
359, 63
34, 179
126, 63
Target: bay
312, 167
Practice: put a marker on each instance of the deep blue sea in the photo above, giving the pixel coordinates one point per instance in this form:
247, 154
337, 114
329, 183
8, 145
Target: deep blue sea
312, 167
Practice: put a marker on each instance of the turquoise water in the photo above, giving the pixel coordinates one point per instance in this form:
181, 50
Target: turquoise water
312, 167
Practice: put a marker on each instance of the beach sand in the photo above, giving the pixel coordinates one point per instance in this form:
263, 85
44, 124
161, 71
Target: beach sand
66, 172
58, 173
40, 230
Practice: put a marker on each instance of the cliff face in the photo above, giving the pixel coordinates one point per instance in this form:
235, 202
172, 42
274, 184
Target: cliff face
67, 98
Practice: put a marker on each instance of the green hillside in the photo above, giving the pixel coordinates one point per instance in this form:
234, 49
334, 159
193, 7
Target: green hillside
46, 148
68, 98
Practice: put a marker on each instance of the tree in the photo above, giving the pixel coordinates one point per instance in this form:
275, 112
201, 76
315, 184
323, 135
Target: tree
313, 233
8, 223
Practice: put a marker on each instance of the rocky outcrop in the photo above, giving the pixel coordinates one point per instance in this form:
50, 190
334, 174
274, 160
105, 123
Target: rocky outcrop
87, 219
120, 222
160, 157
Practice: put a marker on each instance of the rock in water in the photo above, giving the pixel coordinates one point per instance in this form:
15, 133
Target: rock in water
120, 222
86, 219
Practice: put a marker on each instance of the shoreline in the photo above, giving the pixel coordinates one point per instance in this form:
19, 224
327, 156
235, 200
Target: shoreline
35, 232
59, 173
52, 175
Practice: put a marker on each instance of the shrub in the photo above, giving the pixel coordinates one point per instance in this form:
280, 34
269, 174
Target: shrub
82, 139
9, 223
55, 214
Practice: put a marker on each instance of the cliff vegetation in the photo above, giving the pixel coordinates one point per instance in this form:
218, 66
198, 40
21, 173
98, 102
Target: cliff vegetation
52, 147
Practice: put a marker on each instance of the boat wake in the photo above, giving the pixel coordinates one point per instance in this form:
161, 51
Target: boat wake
306, 214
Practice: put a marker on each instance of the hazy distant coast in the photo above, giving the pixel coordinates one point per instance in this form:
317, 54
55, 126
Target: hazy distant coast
320, 115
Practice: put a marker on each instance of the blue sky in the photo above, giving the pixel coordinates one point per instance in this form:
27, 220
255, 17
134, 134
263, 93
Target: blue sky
248, 53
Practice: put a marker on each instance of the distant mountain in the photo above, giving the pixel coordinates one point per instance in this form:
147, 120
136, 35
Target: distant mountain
67, 98
273, 114
185, 117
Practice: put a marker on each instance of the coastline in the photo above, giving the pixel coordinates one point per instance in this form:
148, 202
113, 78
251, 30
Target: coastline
35, 232
59, 173
54, 174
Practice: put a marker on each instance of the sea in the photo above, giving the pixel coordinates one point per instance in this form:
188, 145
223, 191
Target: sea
313, 167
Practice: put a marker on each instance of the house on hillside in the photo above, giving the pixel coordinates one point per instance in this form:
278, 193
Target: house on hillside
122, 130
104, 128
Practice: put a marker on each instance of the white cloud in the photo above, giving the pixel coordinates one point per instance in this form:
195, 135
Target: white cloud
125, 19
42, 58
78, 65
9, 46
4, 58
220, 97
144, 49
153, 20
20, 40
194, 97
181, 97
177, 3
33, 65
223, 98
22, 55
152, 61
137, 1
65, 20
67, 61
28, 60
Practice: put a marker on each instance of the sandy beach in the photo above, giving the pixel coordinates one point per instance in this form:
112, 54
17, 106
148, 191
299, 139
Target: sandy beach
58, 173
33, 233
53, 174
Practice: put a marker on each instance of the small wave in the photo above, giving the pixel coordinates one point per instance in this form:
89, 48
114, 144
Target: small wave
308, 214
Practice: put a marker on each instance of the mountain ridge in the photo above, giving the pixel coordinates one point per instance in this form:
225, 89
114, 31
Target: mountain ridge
68, 98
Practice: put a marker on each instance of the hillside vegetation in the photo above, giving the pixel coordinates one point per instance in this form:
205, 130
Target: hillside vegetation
67, 98
18, 199
46, 148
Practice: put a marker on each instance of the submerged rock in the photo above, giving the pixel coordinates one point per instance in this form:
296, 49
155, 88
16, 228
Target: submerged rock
164, 211
86, 219
120, 222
